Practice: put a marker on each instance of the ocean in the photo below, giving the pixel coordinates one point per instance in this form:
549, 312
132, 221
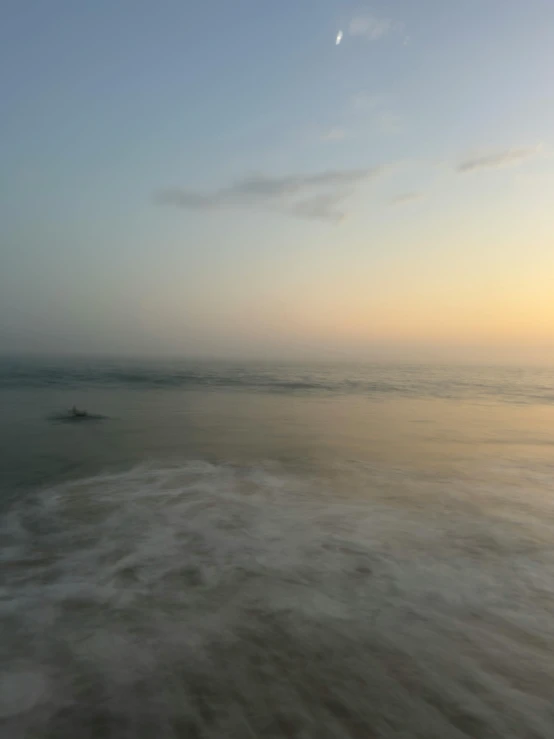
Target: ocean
260, 550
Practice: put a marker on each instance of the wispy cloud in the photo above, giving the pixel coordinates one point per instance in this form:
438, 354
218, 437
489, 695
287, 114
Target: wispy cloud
407, 197
497, 159
325, 206
369, 27
318, 195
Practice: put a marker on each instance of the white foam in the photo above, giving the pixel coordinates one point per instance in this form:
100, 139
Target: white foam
211, 598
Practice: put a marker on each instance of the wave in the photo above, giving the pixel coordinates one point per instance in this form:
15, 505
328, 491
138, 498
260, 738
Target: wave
38, 376
476, 385
206, 600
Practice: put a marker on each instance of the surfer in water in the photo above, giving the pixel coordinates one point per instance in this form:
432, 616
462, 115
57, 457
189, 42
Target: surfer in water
75, 413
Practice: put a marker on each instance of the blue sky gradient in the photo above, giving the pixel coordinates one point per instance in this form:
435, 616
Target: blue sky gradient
160, 165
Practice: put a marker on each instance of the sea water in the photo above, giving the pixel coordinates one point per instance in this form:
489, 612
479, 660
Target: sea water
276, 551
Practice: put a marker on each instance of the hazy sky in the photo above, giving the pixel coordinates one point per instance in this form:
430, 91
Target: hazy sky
258, 177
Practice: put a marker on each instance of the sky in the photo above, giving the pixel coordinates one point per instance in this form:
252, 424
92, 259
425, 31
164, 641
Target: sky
255, 178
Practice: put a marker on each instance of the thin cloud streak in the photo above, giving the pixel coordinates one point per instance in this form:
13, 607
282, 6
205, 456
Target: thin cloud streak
497, 160
313, 196
370, 27
324, 207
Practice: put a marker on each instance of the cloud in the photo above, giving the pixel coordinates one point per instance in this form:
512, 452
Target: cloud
316, 196
497, 160
325, 206
407, 197
334, 134
370, 27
